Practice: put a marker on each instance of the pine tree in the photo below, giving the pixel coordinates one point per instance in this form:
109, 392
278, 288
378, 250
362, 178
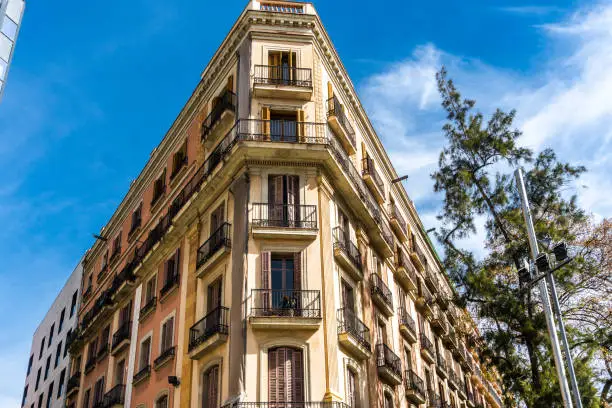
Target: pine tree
475, 177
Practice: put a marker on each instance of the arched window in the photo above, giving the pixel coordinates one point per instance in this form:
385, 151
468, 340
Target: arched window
162, 402
285, 375
210, 388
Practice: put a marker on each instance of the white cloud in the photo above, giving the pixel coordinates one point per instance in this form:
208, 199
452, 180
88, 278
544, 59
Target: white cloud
564, 104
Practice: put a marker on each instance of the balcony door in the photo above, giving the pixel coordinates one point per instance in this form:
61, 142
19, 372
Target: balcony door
213, 304
217, 218
283, 200
210, 380
348, 297
351, 389
343, 223
285, 377
281, 66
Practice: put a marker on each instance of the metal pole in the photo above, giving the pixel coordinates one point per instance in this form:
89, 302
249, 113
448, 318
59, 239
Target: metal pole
550, 322
566, 348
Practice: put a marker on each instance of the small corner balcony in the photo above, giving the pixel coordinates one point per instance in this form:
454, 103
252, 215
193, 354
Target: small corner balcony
122, 282
398, 223
340, 125
347, 254
282, 82
208, 332
450, 338
220, 119
285, 309
170, 285
73, 385
372, 179
148, 309
405, 272
388, 364
284, 221
164, 357
441, 367
214, 249
381, 295
115, 398
415, 387
353, 334
121, 338
142, 375
438, 321
425, 301
427, 349
407, 326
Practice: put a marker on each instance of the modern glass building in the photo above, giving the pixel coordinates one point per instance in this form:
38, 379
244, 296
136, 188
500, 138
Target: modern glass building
11, 12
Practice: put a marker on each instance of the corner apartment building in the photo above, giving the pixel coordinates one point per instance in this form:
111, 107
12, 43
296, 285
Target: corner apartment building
49, 362
11, 12
264, 258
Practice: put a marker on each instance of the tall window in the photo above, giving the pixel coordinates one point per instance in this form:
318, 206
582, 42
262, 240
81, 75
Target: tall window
47, 366
351, 388
210, 387
73, 303
105, 337
282, 64
159, 188
42, 348
30, 362
179, 159
61, 321
58, 354
382, 332
145, 353
125, 313
283, 200
136, 218
172, 267
167, 334
120, 372
103, 263
98, 395
348, 298
37, 379
162, 402
60, 388
150, 289
285, 375
40, 399
214, 293
50, 395
217, 218
116, 247
25, 395
86, 398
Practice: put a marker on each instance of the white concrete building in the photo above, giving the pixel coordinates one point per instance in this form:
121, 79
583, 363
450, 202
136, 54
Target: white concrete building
48, 366
11, 12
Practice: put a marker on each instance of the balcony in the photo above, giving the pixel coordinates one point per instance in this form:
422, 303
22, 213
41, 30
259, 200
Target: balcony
103, 350
427, 349
74, 340
164, 357
208, 332
214, 249
425, 301
73, 385
387, 240
415, 387
438, 322
441, 365
277, 131
170, 285
430, 280
373, 179
285, 309
340, 125
450, 339
284, 221
90, 364
398, 223
388, 364
353, 334
453, 379
142, 374
407, 326
405, 272
122, 282
148, 308
288, 404
282, 82
220, 119
418, 257
381, 295
443, 297
121, 338
115, 398
347, 254
452, 315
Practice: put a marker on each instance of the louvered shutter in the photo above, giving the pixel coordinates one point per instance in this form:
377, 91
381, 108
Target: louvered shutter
265, 279
281, 374
293, 201
275, 201
289, 388
265, 116
272, 375
301, 128
297, 380
351, 389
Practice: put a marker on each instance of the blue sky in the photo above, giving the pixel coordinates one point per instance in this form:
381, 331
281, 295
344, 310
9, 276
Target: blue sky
93, 89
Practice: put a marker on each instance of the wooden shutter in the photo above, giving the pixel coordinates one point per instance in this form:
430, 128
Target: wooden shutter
272, 375
297, 376
213, 387
177, 261
301, 128
297, 271
275, 200
266, 260
265, 116
293, 201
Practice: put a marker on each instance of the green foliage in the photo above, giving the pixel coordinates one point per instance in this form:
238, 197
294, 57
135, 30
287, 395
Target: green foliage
475, 175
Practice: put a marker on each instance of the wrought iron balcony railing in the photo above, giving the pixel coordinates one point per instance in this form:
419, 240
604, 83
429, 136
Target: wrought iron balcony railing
169, 284
397, 216
286, 303
122, 333
335, 108
403, 261
385, 357
164, 356
386, 233
142, 373
116, 396
288, 404
283, 75
349, 323
149, 306
369, 169
343, 242
406, 320
227, 101
74, 382
216, 321
414, 383
377, 286
285, 215
427, 345
282, 131
217, 240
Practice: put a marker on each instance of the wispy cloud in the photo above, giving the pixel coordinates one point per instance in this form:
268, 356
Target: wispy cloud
563, 104
531, 10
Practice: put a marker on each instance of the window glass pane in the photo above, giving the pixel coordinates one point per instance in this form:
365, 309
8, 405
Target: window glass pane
5, 52
14, 9
9, 28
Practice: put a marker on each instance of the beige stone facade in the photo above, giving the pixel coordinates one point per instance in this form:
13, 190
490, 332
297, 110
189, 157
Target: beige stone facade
264, 258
